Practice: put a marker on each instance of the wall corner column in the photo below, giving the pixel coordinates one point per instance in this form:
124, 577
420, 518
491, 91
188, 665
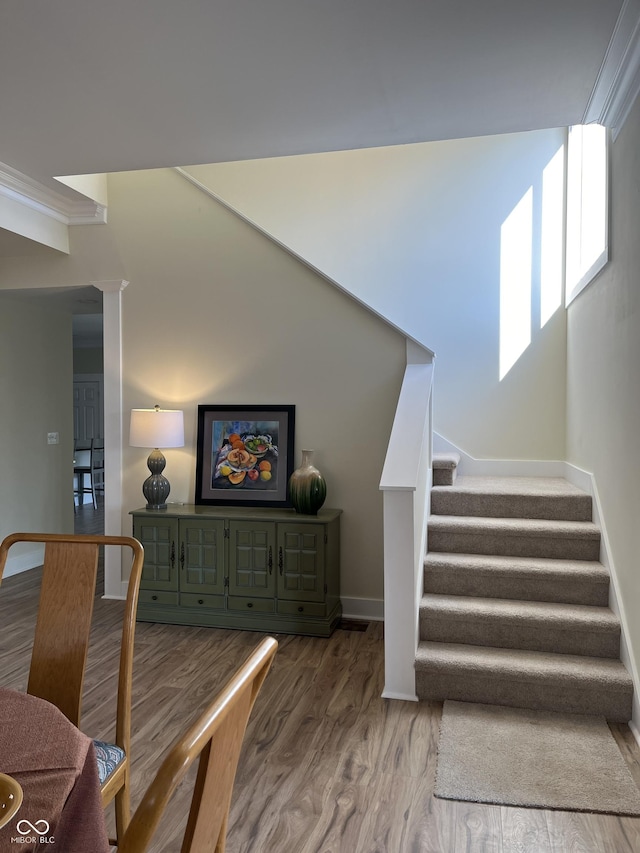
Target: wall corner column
113, 429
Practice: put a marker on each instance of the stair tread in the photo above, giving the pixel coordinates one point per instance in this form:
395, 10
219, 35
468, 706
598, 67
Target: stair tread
445, 460
512, 497
515, 526
516, 566
521, 664
515, 486
553, 615
515, 609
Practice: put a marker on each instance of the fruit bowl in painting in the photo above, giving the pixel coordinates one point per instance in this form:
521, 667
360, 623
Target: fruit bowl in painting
240, 460
258, 445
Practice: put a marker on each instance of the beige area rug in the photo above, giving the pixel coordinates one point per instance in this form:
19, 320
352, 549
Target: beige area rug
511, 756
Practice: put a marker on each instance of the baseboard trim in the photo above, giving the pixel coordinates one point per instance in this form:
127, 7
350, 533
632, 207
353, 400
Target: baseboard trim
31, 559
470, 466
633, 727
118, 596
587, 482
370, 609
401, 696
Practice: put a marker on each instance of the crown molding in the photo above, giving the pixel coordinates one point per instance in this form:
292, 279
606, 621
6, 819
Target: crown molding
32, 194
618, 82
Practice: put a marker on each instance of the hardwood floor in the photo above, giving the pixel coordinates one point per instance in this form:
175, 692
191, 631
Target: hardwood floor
88, 520
327, 765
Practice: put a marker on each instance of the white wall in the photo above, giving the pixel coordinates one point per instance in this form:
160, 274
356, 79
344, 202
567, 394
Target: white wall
93, 186
603, 376
36, 385
414, 231
215, 313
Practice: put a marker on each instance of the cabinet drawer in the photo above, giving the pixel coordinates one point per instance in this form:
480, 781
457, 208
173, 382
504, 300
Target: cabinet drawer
157, 596
301, 608
257, 605
209, 602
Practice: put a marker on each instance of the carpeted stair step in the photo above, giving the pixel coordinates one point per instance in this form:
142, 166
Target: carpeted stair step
522, 578
524, 679
519, 537
445, 468
572, 629
513, 497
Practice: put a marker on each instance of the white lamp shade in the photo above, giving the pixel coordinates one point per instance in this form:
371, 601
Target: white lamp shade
156, 428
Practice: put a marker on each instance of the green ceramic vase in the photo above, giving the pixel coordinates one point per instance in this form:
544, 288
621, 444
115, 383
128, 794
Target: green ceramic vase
307, 486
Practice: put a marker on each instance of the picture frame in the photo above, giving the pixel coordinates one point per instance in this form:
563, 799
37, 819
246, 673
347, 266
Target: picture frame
245, 455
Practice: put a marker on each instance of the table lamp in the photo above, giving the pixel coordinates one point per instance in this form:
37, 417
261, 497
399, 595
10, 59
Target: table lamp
156, 428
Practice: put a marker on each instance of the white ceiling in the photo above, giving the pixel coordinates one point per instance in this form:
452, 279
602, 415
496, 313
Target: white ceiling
116, 85
88, 86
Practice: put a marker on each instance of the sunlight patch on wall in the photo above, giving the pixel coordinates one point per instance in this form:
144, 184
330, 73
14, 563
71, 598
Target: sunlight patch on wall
587, 214
516, 237
552, 237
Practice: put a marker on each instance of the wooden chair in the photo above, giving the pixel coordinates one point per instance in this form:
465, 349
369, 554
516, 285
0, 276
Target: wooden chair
216, 736
61, 641
81, 469
88, 462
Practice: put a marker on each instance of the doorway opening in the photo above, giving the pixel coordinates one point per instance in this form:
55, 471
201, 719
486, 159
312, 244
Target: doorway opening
88, 420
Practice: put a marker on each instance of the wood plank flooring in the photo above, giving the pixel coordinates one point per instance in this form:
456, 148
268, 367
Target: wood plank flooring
88, 520
327, 765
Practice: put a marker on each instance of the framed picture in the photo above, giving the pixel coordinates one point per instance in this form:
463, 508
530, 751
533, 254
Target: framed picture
245, 454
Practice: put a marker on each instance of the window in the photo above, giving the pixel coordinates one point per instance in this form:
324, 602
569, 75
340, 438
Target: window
587, 208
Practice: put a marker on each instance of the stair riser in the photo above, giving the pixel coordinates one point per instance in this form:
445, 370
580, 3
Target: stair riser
508, 545
560, 508
488, 689
536, 637
444, 476
500, 585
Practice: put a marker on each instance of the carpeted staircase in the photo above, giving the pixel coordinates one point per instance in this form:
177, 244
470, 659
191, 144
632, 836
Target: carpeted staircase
515, 610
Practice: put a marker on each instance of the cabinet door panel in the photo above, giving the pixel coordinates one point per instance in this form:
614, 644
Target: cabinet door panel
252, 558
202, 557
159, 539
301, 562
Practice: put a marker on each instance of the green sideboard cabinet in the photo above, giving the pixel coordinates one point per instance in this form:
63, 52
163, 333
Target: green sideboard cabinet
249, 568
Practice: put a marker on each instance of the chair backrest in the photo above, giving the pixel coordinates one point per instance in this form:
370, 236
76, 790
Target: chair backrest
216, 737
97, 463
61, 640
97, 452
82, 459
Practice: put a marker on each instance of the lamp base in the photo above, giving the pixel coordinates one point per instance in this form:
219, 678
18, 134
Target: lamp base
156, 488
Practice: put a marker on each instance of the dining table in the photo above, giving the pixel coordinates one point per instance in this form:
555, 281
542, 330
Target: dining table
55, 764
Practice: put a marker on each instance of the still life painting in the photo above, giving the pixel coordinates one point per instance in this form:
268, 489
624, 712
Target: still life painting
245, 454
